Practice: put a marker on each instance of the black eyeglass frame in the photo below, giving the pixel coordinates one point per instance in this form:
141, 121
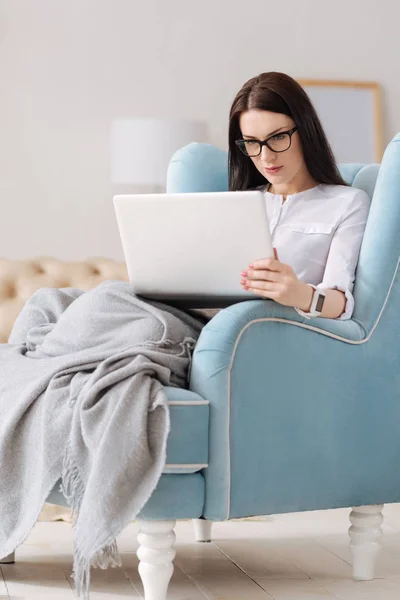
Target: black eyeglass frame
290, 132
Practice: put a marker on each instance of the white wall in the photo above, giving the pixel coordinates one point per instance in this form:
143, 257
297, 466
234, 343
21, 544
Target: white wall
68, 67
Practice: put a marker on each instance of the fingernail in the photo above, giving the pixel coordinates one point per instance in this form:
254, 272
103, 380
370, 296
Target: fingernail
244, 273
251, 266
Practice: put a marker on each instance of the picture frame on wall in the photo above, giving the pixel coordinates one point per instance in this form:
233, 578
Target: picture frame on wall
351, 115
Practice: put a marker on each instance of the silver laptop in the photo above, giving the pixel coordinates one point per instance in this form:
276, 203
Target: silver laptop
189, 249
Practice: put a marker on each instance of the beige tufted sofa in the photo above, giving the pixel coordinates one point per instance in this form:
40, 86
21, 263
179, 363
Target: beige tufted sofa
19, 279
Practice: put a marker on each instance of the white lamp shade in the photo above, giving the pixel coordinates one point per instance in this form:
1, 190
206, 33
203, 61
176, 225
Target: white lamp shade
142, 148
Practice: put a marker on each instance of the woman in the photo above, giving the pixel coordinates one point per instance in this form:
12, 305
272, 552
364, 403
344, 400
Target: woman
317, 221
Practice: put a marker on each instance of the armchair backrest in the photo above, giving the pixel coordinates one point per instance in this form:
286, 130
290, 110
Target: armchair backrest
204, 168
377, 270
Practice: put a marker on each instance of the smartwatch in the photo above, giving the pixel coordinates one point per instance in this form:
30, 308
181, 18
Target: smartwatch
317, 303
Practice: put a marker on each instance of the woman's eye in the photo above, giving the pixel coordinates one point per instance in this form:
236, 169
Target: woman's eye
278, 137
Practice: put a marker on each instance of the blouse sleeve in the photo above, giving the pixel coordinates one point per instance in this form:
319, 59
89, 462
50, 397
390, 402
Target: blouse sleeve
344, 251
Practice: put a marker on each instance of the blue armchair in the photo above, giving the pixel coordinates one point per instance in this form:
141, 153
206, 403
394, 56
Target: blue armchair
304, 413
286, 414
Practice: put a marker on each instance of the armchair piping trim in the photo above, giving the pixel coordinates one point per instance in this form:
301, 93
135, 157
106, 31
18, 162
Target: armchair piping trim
186, 466
296, 324
188, 403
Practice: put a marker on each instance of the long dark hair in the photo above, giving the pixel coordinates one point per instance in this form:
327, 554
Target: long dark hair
279, 93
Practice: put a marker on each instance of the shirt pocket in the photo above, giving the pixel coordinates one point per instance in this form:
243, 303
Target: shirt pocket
306, 247
311, 228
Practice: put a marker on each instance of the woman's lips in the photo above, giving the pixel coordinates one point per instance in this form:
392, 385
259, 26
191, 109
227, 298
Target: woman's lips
273, 170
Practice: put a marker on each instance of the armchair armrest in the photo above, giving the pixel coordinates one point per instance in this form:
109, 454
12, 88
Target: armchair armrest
221, 334
283, 395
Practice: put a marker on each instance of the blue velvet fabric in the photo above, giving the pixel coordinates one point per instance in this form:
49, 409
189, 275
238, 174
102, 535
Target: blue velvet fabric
198, 168
304, 414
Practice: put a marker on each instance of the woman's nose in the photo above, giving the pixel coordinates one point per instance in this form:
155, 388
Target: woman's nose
267, 154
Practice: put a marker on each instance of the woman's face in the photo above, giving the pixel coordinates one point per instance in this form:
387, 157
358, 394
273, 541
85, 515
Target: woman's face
260, 125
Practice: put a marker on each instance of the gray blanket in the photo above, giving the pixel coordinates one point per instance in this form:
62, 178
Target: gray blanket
81, 398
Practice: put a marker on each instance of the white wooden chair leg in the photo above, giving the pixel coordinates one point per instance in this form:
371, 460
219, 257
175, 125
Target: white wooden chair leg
156, 555
202, 530
365, 532
8, 559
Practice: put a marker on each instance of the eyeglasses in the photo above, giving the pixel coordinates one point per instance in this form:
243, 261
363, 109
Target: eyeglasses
279, 142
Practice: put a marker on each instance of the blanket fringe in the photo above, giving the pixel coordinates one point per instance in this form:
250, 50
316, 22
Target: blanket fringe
104, 558
73, 489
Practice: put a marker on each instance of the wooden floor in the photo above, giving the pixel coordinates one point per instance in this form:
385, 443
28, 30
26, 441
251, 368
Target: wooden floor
288, 557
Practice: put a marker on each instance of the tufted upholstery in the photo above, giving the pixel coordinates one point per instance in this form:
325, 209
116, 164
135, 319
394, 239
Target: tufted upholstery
19, 279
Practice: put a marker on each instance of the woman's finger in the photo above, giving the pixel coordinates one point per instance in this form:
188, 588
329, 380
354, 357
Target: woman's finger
264, 286
263, 275
268, 263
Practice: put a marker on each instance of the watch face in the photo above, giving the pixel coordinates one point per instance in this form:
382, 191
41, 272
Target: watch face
320, 303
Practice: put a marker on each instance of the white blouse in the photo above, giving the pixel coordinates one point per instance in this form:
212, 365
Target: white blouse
318, 233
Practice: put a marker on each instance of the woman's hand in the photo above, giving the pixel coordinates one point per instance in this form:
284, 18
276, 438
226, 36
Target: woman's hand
270, 278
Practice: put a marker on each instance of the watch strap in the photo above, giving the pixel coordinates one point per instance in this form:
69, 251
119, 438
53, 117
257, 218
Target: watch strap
312, 313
